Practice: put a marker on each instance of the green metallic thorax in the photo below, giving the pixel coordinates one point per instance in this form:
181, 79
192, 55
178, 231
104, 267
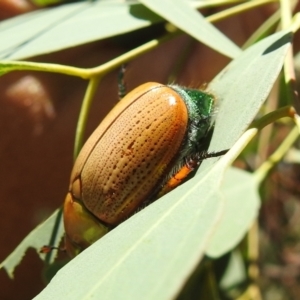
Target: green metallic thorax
200, 109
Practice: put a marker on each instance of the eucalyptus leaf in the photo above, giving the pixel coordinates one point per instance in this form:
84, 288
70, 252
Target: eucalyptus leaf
36, 239
182, 15
241, 88
151, 255
242, 203
235, 272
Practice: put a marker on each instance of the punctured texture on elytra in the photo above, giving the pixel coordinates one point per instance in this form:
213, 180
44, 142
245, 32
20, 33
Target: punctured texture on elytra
131, 152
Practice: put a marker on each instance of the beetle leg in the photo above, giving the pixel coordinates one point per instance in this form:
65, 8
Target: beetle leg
121, 82
178, 177
46, 249
190, 164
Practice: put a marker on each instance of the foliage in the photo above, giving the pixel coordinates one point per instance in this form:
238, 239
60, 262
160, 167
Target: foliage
204, 222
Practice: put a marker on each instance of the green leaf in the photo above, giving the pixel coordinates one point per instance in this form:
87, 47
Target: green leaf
235, 272
242, 87
182, 15
37, 238
242, 204
240, 90
144, 245
292, 156
151, 255
53, 29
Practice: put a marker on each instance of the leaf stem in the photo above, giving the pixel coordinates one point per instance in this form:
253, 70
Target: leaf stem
211, 283
83, 116
54, 238
286, 111
124, 58
249, 134
8, 66
263, 29
289, 70
237, 9
252, 291
261, 173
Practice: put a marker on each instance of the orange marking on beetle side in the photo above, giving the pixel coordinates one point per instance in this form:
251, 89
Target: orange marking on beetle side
178, 178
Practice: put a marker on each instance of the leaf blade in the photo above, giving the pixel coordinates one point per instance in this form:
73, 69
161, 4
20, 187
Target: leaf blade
149, 226
192, 22
242, 203
69, 25
37, 238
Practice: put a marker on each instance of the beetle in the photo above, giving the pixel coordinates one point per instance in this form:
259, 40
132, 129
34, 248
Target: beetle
146, 146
